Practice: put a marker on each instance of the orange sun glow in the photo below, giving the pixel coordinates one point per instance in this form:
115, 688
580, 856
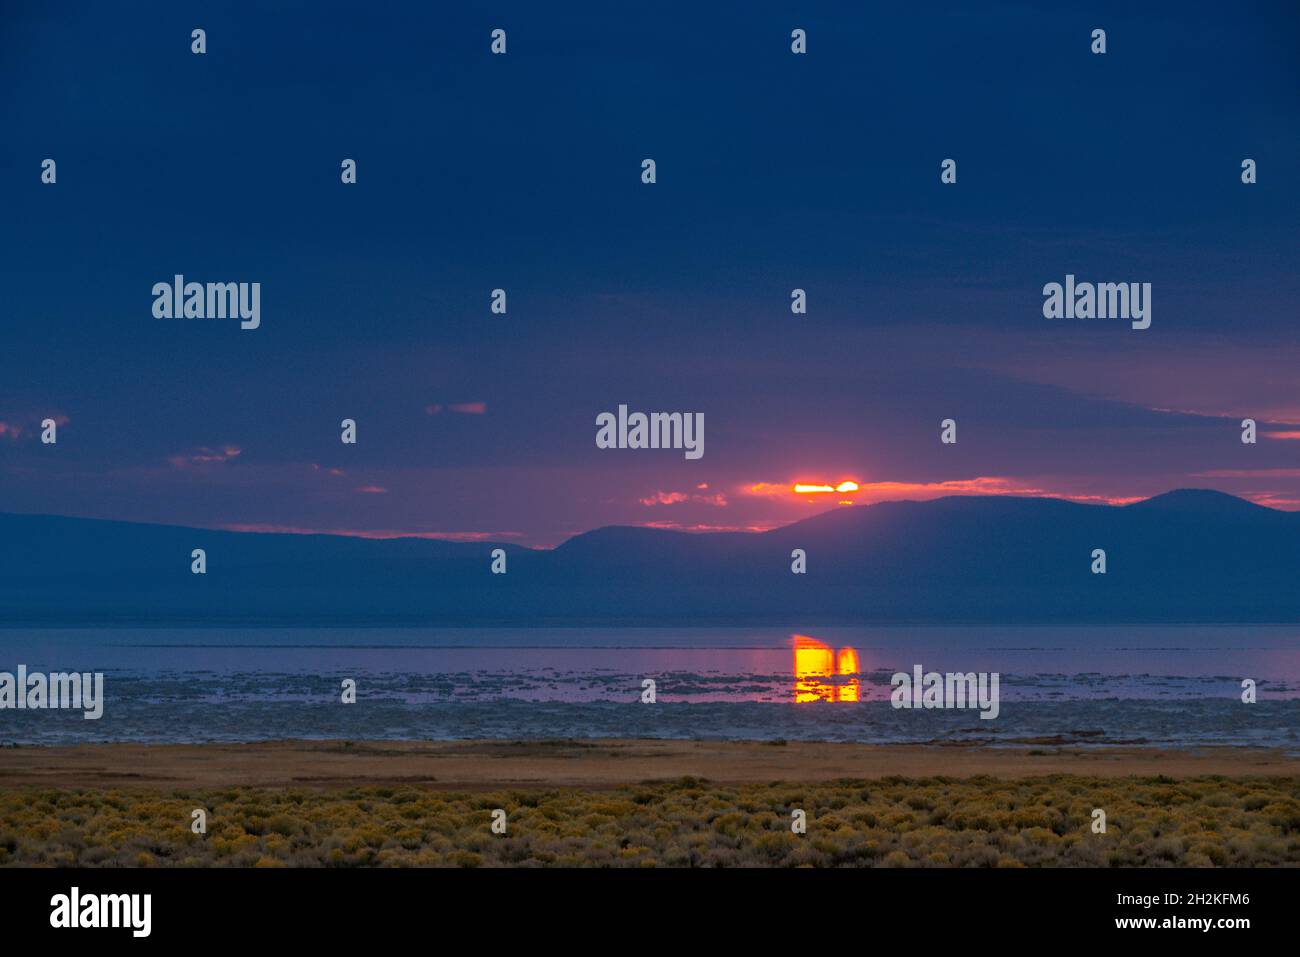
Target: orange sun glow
805, 488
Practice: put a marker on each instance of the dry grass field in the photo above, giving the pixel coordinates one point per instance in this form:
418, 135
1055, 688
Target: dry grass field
978, 821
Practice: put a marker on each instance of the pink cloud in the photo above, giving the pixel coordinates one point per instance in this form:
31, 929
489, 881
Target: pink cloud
871, 492
26, 423
674, 498
664, 498
371, 490
702, 527
1285, 501
204, 456
462, 408
1250, 473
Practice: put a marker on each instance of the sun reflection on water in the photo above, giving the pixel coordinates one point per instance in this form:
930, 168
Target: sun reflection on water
821, 673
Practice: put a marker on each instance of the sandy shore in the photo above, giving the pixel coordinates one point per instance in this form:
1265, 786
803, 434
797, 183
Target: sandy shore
477, 765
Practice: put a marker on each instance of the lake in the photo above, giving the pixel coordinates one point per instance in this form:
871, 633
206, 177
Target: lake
1145, 686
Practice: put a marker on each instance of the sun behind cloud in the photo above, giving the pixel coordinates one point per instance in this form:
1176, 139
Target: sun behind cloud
802, 488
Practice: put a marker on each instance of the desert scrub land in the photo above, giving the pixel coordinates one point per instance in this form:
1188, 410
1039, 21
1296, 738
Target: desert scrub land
889, 822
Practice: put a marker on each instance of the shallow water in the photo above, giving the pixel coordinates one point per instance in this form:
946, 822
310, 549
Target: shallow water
1160, 686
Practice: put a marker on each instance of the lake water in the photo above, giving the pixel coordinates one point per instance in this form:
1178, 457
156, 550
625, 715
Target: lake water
1157, 686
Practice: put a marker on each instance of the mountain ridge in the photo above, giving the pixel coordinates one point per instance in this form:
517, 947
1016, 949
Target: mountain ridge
1188, 555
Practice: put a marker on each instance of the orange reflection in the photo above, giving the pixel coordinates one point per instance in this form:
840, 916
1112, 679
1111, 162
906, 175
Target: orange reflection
823, 674
846, 663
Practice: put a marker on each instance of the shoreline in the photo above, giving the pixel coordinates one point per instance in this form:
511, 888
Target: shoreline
470, 765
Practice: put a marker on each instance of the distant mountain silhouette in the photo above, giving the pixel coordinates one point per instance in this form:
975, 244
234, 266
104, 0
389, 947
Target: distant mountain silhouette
1187, 556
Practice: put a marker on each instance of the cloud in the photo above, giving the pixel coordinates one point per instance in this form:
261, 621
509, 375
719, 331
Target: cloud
15, 425
664, 498
203, 456
461, 408
702, 527
674, 498
870, 492
769, 489
371, 490
1286, 501
1250, 473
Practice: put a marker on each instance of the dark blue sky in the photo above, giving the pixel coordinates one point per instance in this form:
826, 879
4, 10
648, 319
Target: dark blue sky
522, 171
